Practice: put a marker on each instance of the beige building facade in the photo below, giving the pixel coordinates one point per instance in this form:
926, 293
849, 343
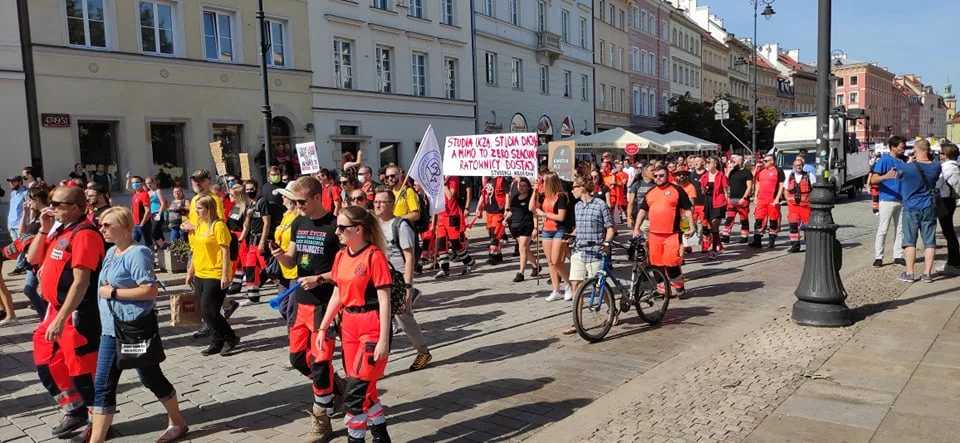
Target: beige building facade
15, 142
715, 59
739, 70
612, 62
146, 85
685, 52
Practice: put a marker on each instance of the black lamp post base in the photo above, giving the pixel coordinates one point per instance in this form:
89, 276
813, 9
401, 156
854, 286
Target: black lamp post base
821, 315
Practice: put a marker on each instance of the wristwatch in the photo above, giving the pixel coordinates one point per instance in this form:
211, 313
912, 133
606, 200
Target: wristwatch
113, 293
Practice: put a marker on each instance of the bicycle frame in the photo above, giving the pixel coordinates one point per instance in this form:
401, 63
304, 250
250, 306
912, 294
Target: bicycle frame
606, 269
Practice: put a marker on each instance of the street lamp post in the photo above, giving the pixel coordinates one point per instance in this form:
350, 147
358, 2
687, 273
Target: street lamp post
266, 110
820, 294
768, 13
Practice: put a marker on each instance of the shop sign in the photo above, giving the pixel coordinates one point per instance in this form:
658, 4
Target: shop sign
55, 120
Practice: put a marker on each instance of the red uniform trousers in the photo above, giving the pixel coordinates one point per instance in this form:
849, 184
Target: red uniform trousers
766, 214
359, 334
736, 209
495, 231
797, 214
66, 366
307, 358
252, 264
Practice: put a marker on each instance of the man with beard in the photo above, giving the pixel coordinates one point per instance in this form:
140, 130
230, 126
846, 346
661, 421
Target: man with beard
741, 188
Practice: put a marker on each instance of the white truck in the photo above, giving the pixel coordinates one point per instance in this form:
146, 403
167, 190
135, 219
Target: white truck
849, 161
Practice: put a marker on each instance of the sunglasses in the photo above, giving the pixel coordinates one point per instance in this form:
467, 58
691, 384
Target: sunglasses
390, 176
356, 199
659, 175
57, 204
344, 227
299, 202
344, 182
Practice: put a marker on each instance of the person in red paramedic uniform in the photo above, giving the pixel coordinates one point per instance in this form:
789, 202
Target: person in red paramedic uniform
798, 185
332, 197
451, 244
768, 192
66, 342
493, 201
362, 279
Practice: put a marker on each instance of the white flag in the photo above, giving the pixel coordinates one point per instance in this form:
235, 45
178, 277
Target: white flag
427, 170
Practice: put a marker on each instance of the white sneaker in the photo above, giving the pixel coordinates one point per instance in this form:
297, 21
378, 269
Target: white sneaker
554, 296
244, 303
568, 293
9, 322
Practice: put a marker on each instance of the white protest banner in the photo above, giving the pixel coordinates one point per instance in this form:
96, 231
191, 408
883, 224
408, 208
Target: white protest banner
309, 161
494, 155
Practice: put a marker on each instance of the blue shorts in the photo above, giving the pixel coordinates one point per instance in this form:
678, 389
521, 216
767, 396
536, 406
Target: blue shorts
558, 234
923, 222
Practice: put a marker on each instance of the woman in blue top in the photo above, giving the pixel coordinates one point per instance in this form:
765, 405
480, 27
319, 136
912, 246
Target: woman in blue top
128, 287
158, 206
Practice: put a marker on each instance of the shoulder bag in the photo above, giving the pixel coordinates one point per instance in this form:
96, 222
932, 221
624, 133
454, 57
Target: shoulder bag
938, 208
138, 341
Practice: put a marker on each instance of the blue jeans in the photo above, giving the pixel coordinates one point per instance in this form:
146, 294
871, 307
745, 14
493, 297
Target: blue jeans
108, 378
922, 224
22, 258
177, 233
144, 234
30, 285
548, 235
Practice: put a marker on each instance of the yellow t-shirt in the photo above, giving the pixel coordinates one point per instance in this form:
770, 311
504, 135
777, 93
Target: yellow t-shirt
407, 204
207, 256
194, 219
282, 237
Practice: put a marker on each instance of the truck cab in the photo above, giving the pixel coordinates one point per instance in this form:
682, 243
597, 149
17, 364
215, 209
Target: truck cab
848, 159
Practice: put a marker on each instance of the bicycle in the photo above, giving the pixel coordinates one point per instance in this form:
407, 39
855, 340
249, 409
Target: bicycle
649, 292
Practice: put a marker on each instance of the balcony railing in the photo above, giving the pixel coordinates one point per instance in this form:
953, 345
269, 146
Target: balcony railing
548, 47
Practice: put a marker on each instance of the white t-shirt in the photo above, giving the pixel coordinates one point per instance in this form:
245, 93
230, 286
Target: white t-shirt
631, 173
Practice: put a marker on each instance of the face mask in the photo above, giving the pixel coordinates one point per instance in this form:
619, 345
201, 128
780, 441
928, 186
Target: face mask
230, 183
274, 179
362, 178
136, 186
252, 194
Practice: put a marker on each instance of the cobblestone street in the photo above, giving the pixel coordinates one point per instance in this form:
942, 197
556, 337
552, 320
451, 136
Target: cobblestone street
719, 364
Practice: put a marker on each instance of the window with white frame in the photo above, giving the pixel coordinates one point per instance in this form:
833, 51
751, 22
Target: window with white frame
584, 87
651, 24
343, 63
156, 27
450, 77
666, 102
621, 23
643, 102
448, 14
541, 16
416, 8
565, 26
613, 98
665, 67
663, 30
488, 8
620, 58
583, 32
491, 68
676, 77
567, 84
652, 63
635, 16
382, 4
515, 12
623, 94
651, 104
643, 61
643, 21
601, 9
544, 79
602, 98
636, 101
854, 97
277, 39
86, 23
839, 99
610, 54
418, 64
384, 69
603, 49
516, 73
218, 36
635, 59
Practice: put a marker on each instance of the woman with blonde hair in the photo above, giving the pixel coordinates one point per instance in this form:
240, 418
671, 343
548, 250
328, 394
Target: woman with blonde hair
365, 321
210, 273
128, 290
553, 207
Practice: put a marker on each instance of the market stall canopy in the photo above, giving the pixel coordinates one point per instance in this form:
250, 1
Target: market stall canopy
619, 138
671, 143
701, 144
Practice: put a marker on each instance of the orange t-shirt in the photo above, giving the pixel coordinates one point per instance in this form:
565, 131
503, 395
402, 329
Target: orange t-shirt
664, 205
358, 276
691, 190
553, 206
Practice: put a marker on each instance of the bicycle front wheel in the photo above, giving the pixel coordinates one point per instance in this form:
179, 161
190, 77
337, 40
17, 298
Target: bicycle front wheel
593, 308
651, 294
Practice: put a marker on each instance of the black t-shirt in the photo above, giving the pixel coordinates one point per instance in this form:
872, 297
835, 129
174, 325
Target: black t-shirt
235, 219
317, 245
520, 214
601, 193
738, 182
102, 180
260, 209
81, 176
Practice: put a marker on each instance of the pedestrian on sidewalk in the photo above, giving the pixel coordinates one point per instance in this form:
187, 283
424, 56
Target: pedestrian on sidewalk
949, 185
211, 270
919, 215
400, 239
890, 209
362, 281
128, 290
313, 245
65, 343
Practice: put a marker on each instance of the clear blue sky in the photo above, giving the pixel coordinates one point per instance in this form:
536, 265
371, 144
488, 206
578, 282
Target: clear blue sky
907, 37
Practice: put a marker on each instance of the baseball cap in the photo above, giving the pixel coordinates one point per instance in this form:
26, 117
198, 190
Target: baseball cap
15, 178
286, 192
200, 174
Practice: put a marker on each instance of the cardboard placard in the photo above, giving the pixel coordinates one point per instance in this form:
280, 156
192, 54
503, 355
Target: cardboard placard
494, 155
309, 161
221, 168
216, 150
244, 166
561, 158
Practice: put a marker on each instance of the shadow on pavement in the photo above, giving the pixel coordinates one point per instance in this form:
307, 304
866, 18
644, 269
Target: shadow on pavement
457, 300
507, 424
499, 352
463, 399
672, 317
725, 288
866, 311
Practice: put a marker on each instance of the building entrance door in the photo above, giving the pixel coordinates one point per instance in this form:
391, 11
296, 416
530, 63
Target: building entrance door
168, 156
98, 146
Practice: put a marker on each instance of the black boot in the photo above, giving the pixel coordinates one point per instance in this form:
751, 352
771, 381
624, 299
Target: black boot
744, 240
354, 440
725, 239
772, 241
214, 348
795, 248
757, 241
379, 433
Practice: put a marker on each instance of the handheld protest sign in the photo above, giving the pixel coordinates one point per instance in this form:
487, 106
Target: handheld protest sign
491, 155
309, 161
561, 159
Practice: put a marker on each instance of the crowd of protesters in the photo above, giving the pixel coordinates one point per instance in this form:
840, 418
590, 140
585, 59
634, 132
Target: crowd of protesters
337, 235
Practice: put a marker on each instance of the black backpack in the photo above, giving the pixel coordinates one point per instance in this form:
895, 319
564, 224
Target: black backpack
423, 223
